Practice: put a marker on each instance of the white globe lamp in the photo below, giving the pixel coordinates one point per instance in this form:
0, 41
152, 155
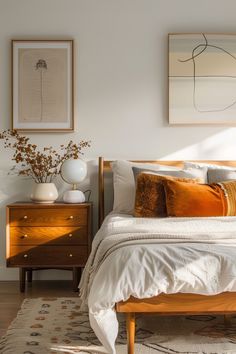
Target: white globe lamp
73, 172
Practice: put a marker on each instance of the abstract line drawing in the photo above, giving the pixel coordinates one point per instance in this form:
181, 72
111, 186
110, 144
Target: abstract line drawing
205, 46
202, 78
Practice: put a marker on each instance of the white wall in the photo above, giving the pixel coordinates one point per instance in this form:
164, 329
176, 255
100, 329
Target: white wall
121, 81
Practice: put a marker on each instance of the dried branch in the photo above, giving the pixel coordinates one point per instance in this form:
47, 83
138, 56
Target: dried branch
42, 166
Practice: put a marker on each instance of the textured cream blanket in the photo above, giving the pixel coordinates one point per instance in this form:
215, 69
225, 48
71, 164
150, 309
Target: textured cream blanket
144, 257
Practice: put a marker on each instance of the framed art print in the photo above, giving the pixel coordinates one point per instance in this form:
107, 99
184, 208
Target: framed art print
42, 85
202, 78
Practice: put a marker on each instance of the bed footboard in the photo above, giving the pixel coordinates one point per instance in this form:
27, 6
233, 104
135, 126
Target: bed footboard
175, 304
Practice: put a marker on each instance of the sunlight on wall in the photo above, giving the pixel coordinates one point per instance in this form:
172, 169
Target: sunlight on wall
221, 146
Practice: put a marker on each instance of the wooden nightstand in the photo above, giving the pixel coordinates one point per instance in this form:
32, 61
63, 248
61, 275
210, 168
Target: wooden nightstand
48, 236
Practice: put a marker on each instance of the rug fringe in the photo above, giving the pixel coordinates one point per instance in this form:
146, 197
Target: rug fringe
22, 314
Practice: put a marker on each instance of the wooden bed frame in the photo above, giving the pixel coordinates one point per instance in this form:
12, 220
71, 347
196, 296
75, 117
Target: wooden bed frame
163, 304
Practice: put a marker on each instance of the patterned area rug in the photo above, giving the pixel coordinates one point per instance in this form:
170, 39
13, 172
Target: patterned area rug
56, 326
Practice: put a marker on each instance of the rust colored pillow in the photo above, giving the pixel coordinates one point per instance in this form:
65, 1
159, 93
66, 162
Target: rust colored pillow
150, 194
189, 199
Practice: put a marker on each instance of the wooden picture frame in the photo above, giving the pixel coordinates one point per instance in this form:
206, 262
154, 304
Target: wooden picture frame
43, 85
202, 78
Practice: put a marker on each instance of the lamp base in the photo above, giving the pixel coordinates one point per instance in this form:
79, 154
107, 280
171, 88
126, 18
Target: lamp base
74, 196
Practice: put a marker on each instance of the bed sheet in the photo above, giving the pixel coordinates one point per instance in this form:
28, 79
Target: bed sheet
143, 257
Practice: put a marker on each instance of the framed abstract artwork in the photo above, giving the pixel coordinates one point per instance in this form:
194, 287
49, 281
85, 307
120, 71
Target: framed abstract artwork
202, 78
42, 85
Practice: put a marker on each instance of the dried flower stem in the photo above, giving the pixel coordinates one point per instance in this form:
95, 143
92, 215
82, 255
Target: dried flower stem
41, 166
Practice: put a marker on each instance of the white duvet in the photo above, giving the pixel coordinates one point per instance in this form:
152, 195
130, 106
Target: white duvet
144, 257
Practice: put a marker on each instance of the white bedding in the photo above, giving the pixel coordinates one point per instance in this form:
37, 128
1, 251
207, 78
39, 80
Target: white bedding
145, 257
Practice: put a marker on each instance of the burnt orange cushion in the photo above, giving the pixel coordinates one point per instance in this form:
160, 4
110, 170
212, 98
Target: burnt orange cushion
189, 199
150, 194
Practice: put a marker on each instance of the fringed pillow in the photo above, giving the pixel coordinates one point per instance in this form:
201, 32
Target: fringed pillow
150, 194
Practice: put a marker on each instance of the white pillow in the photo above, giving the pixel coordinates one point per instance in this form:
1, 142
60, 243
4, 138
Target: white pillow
189, 165
193, 173
124, 183
219, 175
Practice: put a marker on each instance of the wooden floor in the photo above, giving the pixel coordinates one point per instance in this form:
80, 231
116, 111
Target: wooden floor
11, 298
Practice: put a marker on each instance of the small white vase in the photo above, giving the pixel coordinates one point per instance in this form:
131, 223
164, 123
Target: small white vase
74, 196
44, 193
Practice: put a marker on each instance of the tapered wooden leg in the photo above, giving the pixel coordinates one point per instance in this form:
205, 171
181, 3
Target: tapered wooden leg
76, 278
22, 279
130, 327
29, 275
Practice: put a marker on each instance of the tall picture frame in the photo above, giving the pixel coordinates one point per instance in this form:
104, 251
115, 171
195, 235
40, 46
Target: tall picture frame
202, 78
43, 85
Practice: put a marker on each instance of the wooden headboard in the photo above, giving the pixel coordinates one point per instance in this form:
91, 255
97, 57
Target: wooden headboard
105, 166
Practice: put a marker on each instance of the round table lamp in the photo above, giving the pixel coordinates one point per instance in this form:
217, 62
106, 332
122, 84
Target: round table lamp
73, 172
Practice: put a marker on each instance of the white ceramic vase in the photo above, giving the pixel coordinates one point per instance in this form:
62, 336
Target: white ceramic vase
44, 193
74, 196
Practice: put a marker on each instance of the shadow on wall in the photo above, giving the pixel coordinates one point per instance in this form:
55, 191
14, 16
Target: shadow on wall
12, 188
220, 146
16, 188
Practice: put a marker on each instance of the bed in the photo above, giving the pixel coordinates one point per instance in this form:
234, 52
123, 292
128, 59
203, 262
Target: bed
124, 237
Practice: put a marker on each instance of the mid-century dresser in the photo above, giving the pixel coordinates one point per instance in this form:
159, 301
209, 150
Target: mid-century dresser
48, 236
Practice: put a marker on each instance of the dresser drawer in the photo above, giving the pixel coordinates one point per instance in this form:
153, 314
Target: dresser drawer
60, 235
48, 216
44, 256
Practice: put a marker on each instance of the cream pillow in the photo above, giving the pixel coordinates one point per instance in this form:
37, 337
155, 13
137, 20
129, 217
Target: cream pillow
188, 165
211, 177
124, 183
221, 175
192, 173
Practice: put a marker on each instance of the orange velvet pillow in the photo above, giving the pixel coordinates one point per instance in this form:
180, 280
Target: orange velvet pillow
150, 194
189, 199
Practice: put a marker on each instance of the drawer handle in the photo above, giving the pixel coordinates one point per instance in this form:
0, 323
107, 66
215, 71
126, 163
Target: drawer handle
25, 255
24, 236
25, 217
70, 255
71, 217
70, 235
